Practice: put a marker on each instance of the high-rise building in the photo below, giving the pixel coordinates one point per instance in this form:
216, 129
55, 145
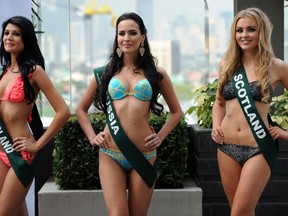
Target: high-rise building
145, 9
167, 54
77, 38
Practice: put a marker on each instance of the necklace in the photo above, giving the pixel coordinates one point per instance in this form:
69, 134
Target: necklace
14, 71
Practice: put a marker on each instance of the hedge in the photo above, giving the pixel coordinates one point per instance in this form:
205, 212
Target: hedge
75, 163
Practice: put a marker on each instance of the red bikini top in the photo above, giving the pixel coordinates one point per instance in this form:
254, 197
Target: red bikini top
15, 92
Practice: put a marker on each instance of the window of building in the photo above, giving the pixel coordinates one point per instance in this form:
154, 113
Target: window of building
78, 35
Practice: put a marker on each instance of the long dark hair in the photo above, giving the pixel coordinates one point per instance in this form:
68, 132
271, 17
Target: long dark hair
146, 62
28, 58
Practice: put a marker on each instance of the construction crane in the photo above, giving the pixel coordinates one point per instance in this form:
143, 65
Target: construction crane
87, 11
90, 9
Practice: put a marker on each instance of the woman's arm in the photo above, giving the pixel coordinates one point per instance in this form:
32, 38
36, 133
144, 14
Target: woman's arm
175, 110
83, 118
280, 69
82, 110
277, 132
62, 113
218, 112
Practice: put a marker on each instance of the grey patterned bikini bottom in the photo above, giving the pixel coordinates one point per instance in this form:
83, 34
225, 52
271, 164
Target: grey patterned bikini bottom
239, 153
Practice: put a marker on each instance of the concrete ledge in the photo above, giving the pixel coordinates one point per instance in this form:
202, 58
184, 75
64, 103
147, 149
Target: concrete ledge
168, 202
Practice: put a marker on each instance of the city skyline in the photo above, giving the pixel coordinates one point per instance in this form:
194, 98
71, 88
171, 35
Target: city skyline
64, 39
172, 26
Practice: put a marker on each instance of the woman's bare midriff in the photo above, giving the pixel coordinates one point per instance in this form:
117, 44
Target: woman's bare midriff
15, 122
235, 126
134, 121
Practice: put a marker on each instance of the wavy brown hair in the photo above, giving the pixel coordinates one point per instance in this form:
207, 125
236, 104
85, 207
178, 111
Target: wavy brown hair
264, 57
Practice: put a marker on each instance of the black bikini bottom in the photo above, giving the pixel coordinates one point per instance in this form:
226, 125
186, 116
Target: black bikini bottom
239, 153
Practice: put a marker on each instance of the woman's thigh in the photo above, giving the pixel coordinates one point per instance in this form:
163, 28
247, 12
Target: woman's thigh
139, 193
254, 177
230, 171
13, 194
3, 172
114, 185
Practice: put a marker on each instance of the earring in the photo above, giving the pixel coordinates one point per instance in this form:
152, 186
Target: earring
142, 49
119, 52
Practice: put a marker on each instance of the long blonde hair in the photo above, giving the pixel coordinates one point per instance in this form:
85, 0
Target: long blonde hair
264, 57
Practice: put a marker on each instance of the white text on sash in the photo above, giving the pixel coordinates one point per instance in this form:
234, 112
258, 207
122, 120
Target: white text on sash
257, 127
7, 146
111, 117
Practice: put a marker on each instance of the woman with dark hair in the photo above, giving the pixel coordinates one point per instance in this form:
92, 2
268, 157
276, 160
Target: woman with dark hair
127, 89
22, 79
248, 75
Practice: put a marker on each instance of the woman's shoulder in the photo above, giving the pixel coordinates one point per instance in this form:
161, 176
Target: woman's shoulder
222, 63
279, 66
38, 68
162, 71
276, 62
279, 70
164, 74
221, 66
38, 72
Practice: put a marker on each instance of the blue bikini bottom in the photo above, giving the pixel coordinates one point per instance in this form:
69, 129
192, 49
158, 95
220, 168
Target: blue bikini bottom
117, 156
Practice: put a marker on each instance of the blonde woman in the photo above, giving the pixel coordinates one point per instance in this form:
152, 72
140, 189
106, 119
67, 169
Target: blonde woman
248, 75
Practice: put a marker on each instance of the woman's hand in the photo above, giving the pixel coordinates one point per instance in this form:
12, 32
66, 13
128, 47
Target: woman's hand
153, 141
277, 132
100, 140
24, 144
217, 135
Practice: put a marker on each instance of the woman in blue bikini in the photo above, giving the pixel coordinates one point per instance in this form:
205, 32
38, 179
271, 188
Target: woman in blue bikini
245, 166
133, 83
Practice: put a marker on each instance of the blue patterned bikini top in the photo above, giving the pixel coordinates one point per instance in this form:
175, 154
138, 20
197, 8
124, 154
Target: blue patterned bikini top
142, 91
229, 92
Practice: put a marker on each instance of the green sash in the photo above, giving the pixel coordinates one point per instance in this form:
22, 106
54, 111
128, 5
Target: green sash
260, 132
24, 171
147, 171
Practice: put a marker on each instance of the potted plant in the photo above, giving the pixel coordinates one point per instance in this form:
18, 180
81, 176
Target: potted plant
202, 158
204, 98
202, 147
279, 110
